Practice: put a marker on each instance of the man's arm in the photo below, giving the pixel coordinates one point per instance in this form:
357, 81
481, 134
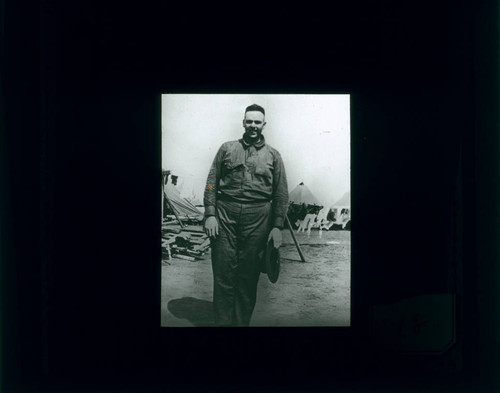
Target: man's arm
280, 201
280, 193
210, 195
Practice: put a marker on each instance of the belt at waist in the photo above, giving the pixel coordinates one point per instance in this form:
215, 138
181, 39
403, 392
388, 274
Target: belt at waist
227, 198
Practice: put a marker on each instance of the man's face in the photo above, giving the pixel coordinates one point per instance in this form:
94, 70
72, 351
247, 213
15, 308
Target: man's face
254, 124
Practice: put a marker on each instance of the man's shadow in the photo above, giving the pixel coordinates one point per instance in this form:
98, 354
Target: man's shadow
198, 312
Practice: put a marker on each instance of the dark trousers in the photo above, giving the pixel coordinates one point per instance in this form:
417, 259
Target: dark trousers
243, 232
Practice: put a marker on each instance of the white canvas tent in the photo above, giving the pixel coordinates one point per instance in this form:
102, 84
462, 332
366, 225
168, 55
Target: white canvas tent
345, 201
302, 195
301, 202
172, 200
197, 202
341, 210
181, 205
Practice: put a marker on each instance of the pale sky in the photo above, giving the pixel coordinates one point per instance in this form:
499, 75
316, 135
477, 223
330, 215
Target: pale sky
312, 133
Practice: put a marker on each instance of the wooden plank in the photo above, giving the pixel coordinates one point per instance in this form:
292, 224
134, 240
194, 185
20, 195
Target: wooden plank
175, 231
203, 245
197, 241
180, 256
195, 230
170, 223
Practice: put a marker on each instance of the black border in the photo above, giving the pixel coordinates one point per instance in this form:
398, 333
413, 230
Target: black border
81, 313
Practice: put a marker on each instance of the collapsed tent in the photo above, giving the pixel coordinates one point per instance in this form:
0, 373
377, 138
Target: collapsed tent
197, 202
181, 205
302, 202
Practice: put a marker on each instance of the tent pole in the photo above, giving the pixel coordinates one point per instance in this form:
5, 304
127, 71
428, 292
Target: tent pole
164, 179
162, 195
294, 239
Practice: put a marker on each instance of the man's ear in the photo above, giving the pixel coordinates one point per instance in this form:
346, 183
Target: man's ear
263, 125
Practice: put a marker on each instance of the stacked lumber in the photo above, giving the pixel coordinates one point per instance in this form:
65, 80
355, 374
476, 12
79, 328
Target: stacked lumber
186, 220
188, 243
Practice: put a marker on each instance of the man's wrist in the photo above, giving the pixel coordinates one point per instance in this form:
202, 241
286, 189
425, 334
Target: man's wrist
278, 223
209, 211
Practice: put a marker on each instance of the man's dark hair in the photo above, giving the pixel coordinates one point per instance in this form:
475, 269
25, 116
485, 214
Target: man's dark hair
255, 107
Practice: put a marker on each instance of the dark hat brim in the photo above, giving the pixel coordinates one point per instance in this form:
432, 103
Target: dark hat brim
272, 261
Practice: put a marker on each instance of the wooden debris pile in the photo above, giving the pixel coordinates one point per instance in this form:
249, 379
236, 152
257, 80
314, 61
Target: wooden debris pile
189, 243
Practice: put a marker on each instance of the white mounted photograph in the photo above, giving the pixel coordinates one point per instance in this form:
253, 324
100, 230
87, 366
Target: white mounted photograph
256, 210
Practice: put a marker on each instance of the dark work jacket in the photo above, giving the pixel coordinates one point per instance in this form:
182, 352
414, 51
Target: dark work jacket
248, 173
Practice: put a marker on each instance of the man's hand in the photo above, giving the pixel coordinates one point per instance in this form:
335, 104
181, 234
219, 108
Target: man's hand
212, 226
275, 234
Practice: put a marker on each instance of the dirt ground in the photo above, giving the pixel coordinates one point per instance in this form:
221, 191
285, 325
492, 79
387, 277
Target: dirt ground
315, 293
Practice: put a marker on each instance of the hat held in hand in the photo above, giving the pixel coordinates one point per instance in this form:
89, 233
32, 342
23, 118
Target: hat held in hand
272, 261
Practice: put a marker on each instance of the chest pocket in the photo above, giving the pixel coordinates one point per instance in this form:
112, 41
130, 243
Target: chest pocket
232, 170
232, 163
264, 172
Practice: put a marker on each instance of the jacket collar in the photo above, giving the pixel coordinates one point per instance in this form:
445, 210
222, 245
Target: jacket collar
258, 144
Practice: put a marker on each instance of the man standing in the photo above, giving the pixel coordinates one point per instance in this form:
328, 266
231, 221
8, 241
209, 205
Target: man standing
246, 201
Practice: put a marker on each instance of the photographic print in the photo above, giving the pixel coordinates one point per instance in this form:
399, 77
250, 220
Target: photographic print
256, 212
